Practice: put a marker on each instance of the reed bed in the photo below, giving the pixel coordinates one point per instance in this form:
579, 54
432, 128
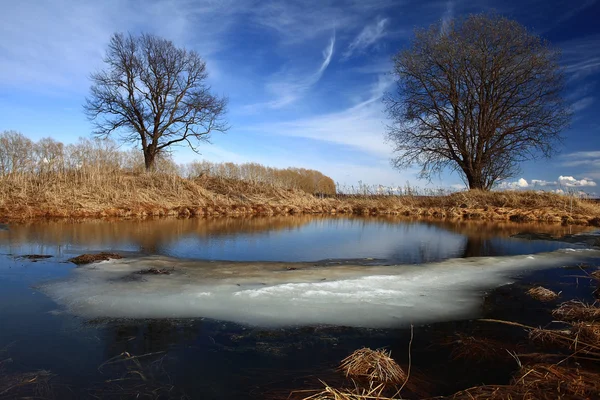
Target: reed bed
121, 194
542, 294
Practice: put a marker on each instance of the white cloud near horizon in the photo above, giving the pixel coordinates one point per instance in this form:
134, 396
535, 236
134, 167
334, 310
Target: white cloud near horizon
561, 182
368, 37
569, 181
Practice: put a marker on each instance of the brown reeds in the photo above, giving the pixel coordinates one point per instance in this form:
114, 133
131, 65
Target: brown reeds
539, 382
91, 258
575, 310
542, 294
478, 349
374, 366
550, 381
93, 179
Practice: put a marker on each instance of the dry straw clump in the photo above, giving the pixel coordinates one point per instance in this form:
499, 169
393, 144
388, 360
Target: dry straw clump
373, 365
540, 382
542, 294
91, 258
582, 338
478, 349
575, 310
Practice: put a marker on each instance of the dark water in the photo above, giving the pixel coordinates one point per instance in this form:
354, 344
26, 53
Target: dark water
209, 359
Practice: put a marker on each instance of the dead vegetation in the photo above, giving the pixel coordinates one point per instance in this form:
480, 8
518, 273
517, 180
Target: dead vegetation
23, 385
568, 369
94, 179
575, 310
91, 258
478, 348
156, 271
136, 377
539, 382
374, 366
35, 257
542, 294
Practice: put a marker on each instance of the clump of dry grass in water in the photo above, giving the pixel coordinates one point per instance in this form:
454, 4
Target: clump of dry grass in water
588, 332
542, 294
580, 338
91, 258
24, 384
574, 310
540, 382
156, 271
330, 393
373, 365
550, 380
478, 348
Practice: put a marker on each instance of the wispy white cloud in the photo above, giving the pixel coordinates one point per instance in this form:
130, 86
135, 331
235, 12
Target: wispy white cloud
581, 56
293, 86
58, 47
369, 36
360, 126
590, 159
448, 15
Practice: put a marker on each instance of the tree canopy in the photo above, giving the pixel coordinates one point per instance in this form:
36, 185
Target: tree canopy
477, 95
153, 94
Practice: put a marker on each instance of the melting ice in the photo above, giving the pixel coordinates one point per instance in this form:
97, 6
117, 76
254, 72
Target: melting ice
278, 294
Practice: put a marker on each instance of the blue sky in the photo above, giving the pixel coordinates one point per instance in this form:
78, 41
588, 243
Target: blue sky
304, 78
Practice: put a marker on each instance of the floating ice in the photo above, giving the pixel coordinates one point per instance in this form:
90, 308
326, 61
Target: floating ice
276, 294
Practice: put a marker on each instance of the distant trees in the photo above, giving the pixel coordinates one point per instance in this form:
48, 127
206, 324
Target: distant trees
97, 158
478, 95
154, 94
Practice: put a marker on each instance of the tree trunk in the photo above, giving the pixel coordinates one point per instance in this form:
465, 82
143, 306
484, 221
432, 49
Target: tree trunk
149, 158
475, 179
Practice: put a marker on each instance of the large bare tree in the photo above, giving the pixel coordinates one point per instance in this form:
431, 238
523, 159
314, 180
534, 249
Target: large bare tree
477, 95
154, 94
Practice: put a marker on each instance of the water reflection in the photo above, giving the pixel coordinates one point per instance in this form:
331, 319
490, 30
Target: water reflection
286, 238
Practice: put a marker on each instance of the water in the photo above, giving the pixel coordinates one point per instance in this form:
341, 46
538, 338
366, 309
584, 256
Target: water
309, 291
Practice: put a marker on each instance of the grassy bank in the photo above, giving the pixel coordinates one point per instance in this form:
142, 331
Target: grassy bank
98, 194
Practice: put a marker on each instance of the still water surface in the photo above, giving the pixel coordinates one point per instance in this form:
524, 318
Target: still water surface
213, 358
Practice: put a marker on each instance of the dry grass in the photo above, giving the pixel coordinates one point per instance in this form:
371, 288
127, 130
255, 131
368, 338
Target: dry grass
539, 382
23, 385
542, 294
574, 310
478, 349
91, 258
550, 381
374, 366
95, 193
582, 339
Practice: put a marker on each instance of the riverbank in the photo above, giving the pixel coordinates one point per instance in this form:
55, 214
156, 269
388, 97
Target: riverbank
129, 195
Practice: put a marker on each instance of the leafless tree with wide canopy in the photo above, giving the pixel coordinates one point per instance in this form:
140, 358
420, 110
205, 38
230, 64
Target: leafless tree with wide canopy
478, 95
154, 94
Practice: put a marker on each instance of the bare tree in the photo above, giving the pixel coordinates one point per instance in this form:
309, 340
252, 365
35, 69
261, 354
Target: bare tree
479, 96
154, 94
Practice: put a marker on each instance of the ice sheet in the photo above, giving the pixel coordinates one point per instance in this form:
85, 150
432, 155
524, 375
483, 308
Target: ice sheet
278, 294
